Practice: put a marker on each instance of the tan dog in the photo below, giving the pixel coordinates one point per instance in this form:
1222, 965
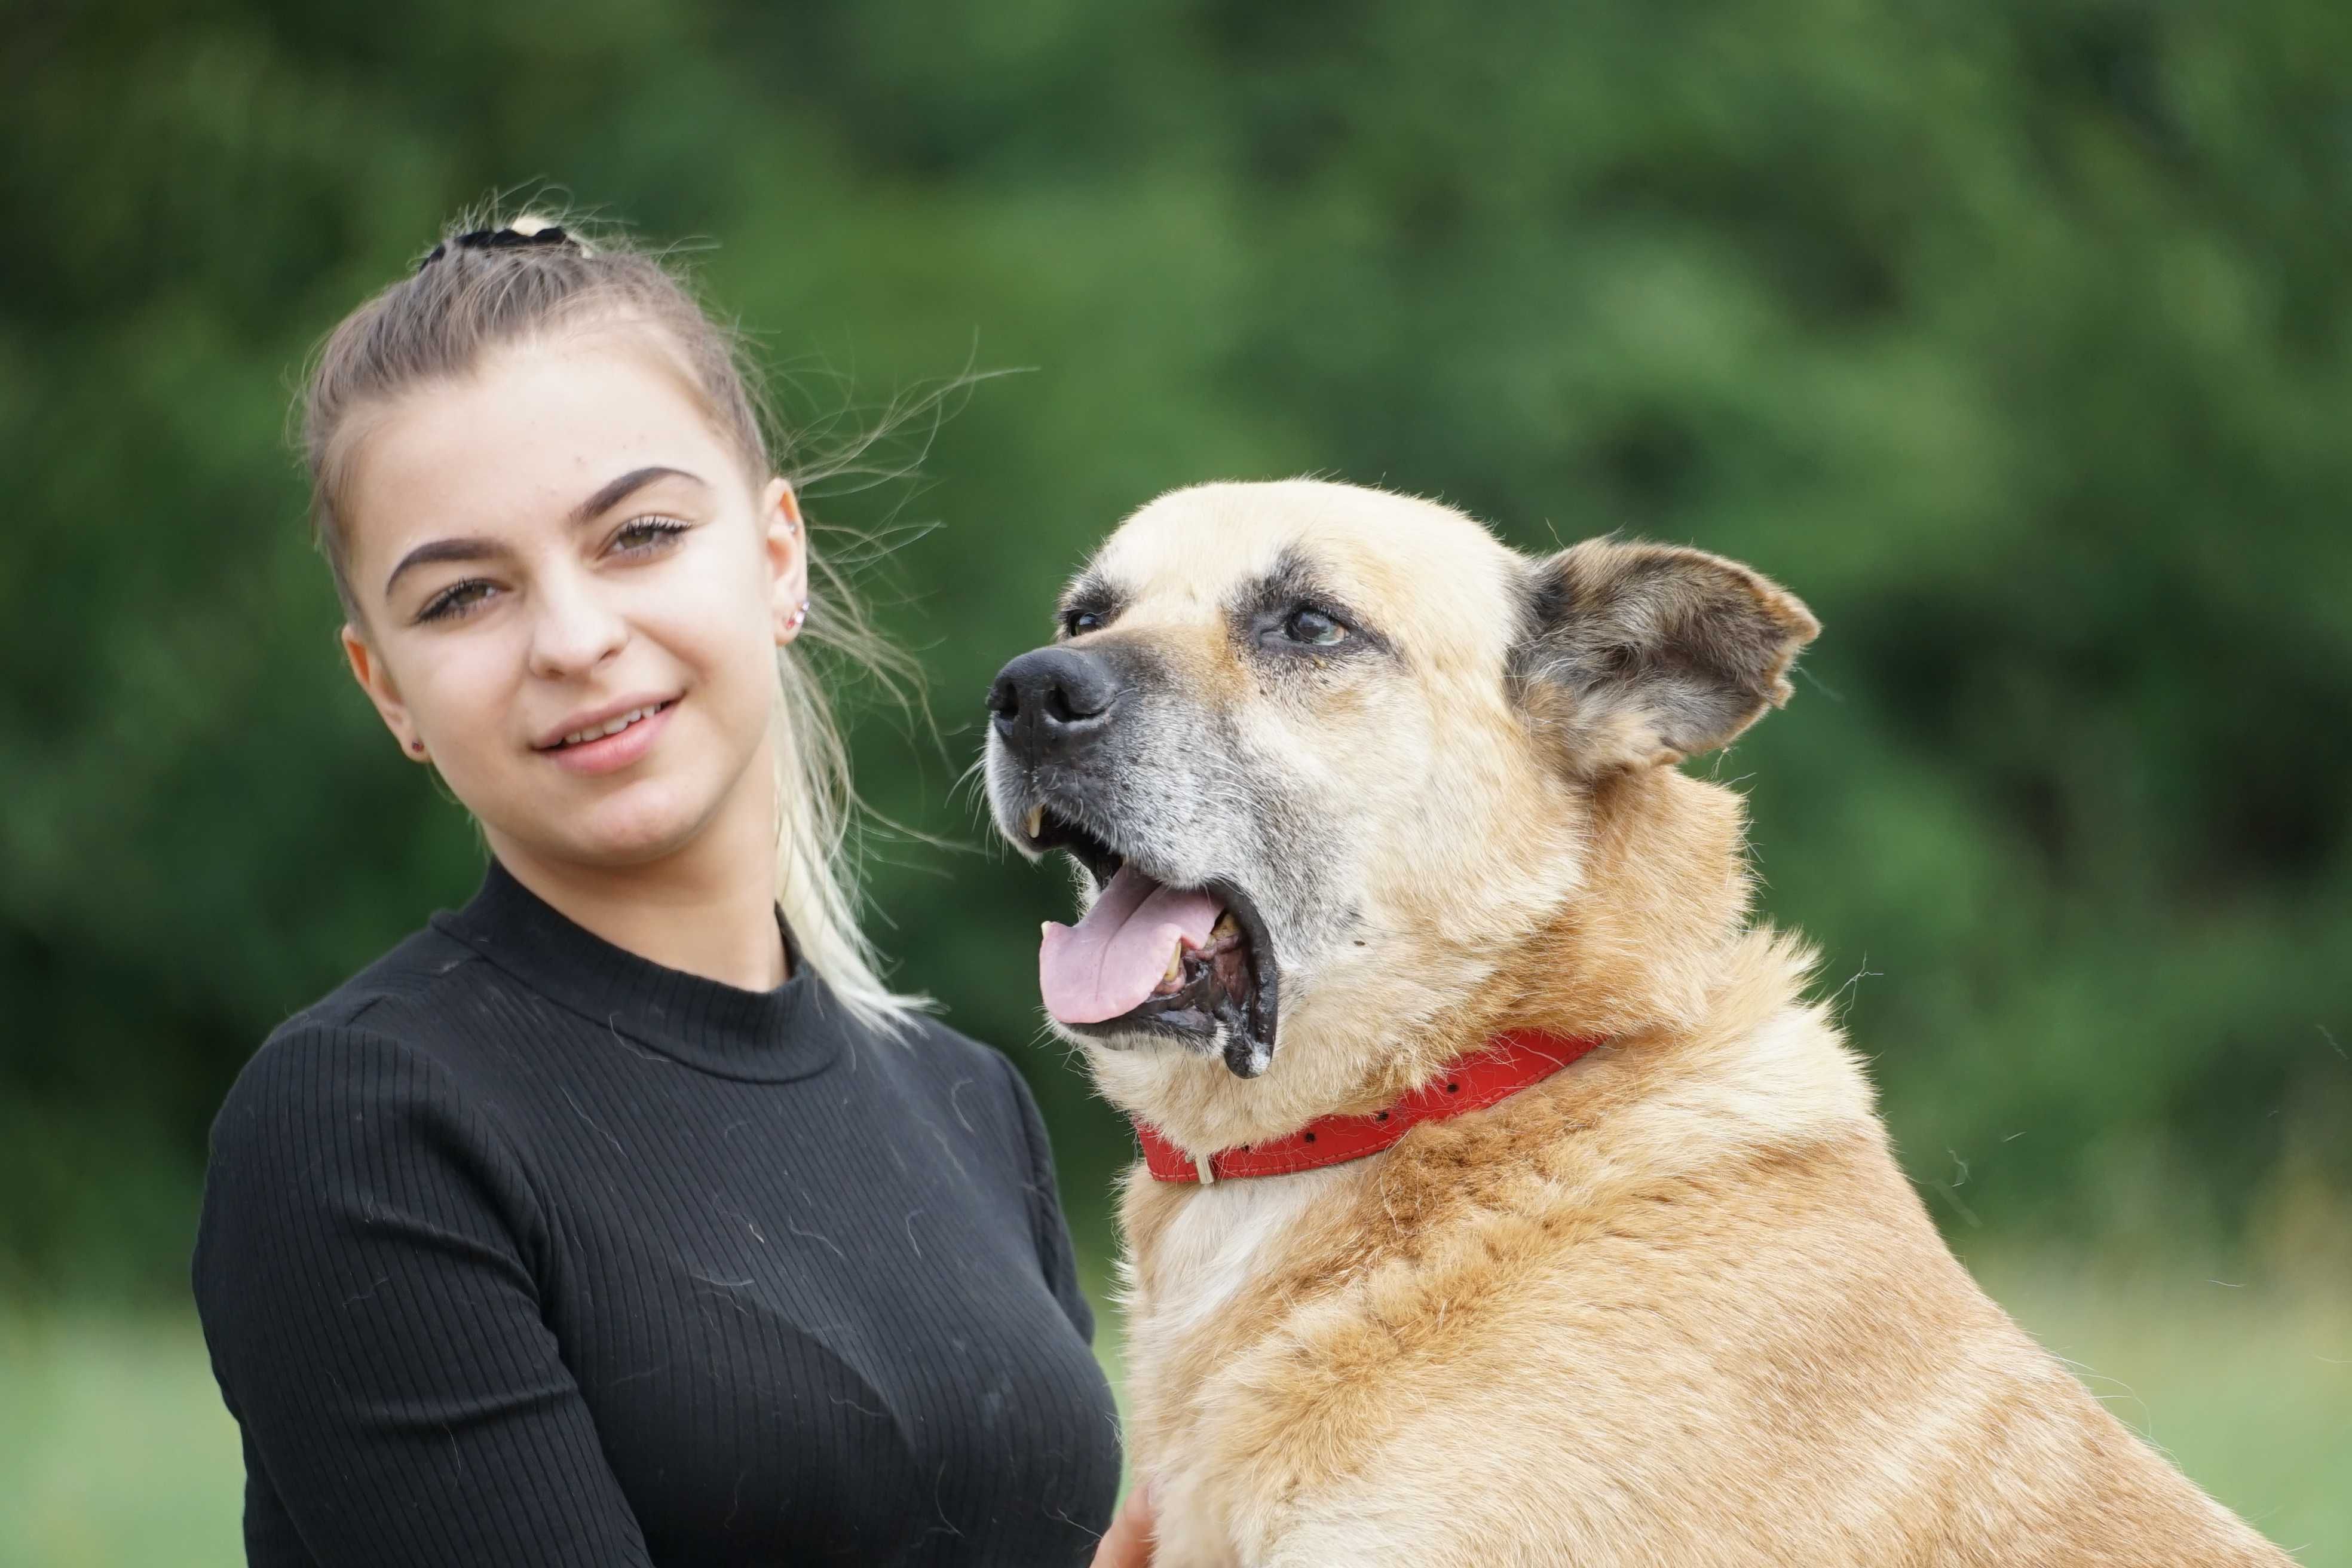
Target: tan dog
1355, 788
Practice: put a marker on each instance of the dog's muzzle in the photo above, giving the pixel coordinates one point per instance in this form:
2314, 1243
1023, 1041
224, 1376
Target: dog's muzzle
1184, 957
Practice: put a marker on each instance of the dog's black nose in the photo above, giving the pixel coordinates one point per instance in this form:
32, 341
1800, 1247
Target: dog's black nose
1052, 699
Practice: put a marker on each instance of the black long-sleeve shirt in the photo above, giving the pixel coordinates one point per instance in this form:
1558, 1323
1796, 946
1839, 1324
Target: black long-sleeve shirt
520, 1248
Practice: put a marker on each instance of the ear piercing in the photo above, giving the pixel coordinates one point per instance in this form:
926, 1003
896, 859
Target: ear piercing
416, 746
799, 615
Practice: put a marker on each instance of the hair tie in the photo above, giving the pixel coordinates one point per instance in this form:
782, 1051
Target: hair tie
506, 238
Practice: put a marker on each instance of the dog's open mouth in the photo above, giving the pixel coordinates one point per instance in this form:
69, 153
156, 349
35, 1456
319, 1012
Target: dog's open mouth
1150, 957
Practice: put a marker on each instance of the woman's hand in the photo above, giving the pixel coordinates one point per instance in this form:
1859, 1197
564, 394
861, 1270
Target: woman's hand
1128, 1542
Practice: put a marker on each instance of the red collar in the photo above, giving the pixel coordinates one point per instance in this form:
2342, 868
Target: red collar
1496, 1070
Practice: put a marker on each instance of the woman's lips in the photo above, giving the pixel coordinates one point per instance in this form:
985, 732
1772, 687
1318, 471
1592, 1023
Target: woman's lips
609, 753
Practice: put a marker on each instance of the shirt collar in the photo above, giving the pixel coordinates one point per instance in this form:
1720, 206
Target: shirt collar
766, 1037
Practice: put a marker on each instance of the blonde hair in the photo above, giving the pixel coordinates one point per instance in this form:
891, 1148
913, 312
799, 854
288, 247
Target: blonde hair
488, 285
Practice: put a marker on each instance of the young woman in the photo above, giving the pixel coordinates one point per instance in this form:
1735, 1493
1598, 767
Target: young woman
623, 1216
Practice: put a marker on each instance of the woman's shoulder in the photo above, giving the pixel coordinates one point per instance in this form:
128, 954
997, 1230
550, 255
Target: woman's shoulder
951, 1057
424, 966
350, 1130
933, 1039
980, 1083
368, 1043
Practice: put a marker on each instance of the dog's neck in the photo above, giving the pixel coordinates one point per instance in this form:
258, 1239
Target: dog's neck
1666, 888
1502, 1068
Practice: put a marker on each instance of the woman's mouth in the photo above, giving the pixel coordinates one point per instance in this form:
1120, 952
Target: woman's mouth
614, 742
610, 727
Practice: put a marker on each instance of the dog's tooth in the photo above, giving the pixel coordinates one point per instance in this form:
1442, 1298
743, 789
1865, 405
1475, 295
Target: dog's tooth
1175, 964
1036, 823
1226, 926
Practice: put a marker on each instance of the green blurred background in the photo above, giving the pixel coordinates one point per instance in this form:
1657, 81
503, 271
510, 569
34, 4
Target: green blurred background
2015, 335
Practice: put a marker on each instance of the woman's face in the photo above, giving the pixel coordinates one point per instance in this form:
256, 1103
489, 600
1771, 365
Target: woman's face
552, 545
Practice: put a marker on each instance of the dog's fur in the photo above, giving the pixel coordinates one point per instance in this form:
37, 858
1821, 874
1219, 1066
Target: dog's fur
1676, 1304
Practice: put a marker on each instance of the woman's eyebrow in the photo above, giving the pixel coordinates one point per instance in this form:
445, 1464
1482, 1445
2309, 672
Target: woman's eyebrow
620, 490
441, 550
588, 510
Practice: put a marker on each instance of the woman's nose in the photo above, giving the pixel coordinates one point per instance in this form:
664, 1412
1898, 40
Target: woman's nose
573, 630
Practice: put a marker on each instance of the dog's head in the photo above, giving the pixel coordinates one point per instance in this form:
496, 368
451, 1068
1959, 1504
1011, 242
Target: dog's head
1333, 762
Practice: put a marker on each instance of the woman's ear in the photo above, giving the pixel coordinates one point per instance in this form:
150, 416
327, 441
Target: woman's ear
785, 540
377, 682
1637, 655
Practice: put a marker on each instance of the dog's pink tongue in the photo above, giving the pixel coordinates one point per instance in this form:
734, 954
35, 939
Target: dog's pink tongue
1113, 959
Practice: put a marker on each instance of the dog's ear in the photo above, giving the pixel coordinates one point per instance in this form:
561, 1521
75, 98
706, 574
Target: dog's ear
1634, 655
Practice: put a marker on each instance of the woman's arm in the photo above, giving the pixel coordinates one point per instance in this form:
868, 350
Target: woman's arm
363, 1273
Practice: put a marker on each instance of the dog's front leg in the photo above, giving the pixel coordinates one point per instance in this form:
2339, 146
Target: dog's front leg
1180, 1545
1311, 1551
1423, 1531
1185, 1533
1369, 1548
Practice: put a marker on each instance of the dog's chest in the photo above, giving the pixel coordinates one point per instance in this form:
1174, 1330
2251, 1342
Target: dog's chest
1198, 1280
1220, 1238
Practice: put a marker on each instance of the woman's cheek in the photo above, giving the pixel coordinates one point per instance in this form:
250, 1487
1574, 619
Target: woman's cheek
720, 631
475, 687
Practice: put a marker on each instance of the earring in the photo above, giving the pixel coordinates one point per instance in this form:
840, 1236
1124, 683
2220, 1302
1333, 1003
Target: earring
798, 615
416, 746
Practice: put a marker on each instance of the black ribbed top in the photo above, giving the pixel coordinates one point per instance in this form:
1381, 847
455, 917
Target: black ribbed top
519, 1249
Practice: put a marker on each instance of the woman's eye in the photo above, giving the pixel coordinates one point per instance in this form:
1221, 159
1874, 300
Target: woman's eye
640, 535
1077, 623
456, 599
1313, 627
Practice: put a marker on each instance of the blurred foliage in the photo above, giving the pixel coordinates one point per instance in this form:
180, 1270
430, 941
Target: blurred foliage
2015, 335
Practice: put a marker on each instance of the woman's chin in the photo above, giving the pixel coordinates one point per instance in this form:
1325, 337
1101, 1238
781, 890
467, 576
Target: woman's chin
632, 827
638, 843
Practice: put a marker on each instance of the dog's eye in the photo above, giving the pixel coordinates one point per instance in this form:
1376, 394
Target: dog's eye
1313, 627
1077, 623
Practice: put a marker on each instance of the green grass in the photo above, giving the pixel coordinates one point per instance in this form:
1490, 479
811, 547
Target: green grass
114, 1449
2248, 1388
